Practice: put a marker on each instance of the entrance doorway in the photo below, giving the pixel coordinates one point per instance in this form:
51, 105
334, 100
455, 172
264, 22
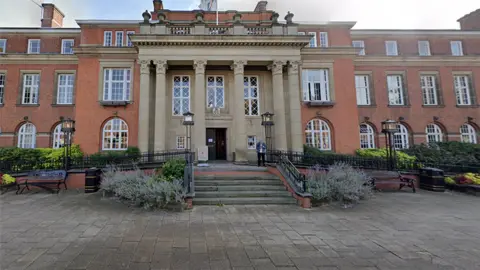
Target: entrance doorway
217, 143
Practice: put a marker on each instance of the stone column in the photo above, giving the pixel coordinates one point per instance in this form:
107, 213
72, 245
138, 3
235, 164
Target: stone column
160, 105
239, 112
199, 129
280, 134
296, 127
144, 108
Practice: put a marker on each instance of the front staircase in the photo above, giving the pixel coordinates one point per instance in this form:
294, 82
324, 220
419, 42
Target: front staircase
239, 186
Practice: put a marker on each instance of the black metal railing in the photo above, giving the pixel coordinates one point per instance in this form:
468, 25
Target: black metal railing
291, 173
188, 178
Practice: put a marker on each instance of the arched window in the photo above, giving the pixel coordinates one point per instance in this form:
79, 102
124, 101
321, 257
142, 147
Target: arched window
58, 137
27, 136
115, 135
318, 134
468, 133
367, 136
400, 138
434, 133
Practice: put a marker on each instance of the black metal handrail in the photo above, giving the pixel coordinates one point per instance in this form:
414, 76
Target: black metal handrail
188, 178
292, 173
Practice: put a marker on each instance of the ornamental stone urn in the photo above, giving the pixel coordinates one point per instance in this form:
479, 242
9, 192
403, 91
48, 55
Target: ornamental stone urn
199, 17
146, 17
274, 18
237, 18
161, 17
289, 18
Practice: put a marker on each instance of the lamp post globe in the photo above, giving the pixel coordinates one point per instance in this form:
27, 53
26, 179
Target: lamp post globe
188, 119
389, 126
267, 119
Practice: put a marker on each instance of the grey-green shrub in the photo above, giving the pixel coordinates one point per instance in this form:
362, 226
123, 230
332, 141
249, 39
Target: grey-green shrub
341, 183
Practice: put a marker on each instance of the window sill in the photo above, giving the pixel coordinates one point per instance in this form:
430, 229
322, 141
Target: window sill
399, 106
367, 106
433, 106
316, 103
63, 105
114, 103
467, 106
28, 105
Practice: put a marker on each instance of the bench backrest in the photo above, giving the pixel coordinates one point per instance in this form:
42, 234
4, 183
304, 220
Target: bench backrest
48, 175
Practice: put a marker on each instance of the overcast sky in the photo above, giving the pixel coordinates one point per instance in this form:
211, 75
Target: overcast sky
371, 14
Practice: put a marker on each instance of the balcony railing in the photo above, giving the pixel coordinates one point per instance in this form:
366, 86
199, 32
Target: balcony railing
259, 31
218, 30
202, 29
180, 30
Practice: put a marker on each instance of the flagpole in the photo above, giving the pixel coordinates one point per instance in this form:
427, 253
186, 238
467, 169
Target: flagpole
216, 8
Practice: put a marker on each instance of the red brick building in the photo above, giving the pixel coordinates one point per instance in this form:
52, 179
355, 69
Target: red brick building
127, 83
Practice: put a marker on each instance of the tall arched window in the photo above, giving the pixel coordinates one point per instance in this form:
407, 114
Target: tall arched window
115, 135
400, 138
367, 136
58, 139
318, 134
468, 133
434, 133
27, 136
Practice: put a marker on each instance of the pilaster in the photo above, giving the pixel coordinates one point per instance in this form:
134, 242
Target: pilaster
238, 68
199, 129
160, 105
280, 134
144, 106
296, 128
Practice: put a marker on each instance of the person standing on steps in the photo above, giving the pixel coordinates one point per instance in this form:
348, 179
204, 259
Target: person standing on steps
261, 150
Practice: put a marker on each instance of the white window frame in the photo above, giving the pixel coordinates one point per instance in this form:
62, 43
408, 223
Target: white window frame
367, 139
58, 137
3, 78
107, 41
119, 36
424, 48
395, 90
122, 132
182, 96
314, 40
65, 90
362, 88
462, 92
359, 44
324, 39
31, 47
3, 45
215, 88
24, 134
468, 133
401, 137
254, 139
316, 135
128, 41
433, 133
309, 82
456, 47
108, 82
64, 47
31, 88
428, 83
181, 142
249, 99
391, 48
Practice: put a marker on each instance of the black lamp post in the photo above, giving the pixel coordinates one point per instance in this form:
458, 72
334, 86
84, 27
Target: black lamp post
188, 123
68, 128
389, 127
267, 122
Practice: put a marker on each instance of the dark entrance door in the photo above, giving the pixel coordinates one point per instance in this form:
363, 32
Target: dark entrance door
217, 143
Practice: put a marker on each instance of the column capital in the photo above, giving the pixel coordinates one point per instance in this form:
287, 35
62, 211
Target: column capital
144, 66
293, 66
199, 66
277, 67
161, 66
238, 66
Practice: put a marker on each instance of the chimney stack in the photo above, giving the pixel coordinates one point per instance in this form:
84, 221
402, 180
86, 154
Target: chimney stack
261, 6
52, 17
470, 21
157, 5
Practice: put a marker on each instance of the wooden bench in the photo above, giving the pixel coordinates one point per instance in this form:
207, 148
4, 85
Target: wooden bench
395, 178
43, 179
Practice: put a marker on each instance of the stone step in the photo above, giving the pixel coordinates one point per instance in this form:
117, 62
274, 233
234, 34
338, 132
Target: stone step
240, 188
244, 201
241, 194
230, 182
236, 177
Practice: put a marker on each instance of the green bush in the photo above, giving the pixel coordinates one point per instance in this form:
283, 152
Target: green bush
101, 159
402, 157
174, 169
443, 153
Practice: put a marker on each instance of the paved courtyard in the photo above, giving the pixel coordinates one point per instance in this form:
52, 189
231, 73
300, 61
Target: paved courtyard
392, 231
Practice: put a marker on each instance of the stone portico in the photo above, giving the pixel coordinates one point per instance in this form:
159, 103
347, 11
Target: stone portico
258, 73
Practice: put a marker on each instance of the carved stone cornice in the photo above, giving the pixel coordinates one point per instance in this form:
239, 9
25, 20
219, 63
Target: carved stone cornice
144, 66
422, 61
293, 66
42, 59
277, 67
161, 66
238, 66
199, 66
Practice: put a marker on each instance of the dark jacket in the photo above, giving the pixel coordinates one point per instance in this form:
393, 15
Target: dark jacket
261, 147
